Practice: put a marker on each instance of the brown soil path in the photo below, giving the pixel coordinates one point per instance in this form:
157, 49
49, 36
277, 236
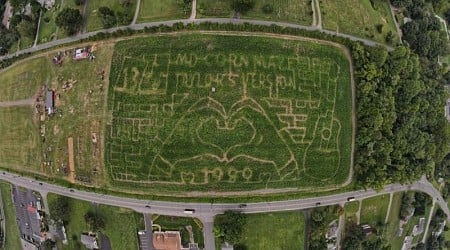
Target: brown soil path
24, 102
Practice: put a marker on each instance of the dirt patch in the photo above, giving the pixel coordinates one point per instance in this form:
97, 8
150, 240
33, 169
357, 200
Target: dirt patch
71, 176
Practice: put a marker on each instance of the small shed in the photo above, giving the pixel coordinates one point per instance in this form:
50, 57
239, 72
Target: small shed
50, 102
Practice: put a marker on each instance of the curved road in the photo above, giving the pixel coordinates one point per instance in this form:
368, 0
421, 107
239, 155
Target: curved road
141, 26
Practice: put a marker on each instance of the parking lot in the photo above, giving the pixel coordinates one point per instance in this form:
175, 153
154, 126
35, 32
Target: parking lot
28, 218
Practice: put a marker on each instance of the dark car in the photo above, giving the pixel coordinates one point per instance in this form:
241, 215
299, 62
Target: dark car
242, 205
147, 206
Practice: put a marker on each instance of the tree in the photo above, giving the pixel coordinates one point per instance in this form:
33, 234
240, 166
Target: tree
70, 20
18, 5
242, 6
267, 8
60, 209
354, 236
79, 2
231, 223
95, 220
108, 17
447, 16
27, 28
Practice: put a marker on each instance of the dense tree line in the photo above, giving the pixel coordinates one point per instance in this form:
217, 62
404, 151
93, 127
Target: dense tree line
230, 226
400, 126
423, 32
22, 24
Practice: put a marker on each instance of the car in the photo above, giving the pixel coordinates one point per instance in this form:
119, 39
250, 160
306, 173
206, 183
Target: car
147, 206
317, 203
350, 198
189, 211
71, 190
242, 205
40, 183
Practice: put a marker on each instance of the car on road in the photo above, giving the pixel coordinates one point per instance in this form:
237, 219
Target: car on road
242, 205
317, 203
189, 211
147, 206
40, 183
351, 199
71, 190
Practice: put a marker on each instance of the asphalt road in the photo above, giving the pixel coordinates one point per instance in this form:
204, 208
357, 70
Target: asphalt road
141, 26
206, 211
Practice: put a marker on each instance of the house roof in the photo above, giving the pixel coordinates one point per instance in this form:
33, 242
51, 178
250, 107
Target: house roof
49, 102
169, 240
89, 241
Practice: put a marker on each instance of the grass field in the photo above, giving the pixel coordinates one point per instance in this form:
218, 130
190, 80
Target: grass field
373, 210
275, 231
284, 107
81, 113
294, 11
393, 220
20, 145
121, 224
172, 223
94, 21
360, 19
22, 80
12, 240
162, 10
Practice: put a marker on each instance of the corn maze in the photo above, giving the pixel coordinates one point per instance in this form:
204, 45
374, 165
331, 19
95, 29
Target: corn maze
214, 112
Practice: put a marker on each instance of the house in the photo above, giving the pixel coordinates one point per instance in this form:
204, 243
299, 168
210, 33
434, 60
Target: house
7, 14
440, 229
447, 110
227, 246
407, 243
89, 240
48, 4
170, 240
418, 229
332, 230
50, 102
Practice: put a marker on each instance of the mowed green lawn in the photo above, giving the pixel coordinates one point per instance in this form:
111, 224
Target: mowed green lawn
12, 240
373, 210
162, 10
213, 8
274, 231
121, 224
358, 17
94, 21
228, 113
20, 143
293, 11
351, 208
22, 80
